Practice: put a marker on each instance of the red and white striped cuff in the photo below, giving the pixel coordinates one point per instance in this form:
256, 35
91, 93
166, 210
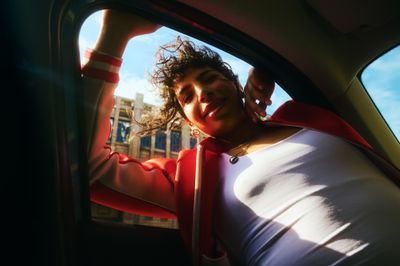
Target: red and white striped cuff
101, 66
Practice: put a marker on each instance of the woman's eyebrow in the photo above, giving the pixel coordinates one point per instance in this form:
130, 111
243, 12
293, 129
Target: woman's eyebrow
202, 76
182, 90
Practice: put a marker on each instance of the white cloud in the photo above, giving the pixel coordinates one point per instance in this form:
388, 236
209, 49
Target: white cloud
238, 66
83, 44
160, 37
130, 84
148, 38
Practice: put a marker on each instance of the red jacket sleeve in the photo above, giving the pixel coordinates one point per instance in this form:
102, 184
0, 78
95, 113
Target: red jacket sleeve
117, 180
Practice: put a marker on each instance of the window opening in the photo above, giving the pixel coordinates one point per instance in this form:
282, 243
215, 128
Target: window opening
136, 97
381, 79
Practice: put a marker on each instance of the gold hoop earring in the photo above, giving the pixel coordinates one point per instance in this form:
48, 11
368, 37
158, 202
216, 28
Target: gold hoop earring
195, 133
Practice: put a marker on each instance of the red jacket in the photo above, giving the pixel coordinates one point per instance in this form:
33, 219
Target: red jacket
292, 114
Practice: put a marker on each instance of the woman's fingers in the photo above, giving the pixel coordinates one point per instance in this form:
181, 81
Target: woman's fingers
258, 91
262, 94
127, 23
255, 109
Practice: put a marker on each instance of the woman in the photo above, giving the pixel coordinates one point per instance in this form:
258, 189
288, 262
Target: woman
252, 194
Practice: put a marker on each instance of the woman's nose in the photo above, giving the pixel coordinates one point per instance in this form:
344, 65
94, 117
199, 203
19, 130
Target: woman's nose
205, 95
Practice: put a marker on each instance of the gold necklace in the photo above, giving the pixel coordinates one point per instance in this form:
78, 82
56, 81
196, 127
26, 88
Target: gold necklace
243, 147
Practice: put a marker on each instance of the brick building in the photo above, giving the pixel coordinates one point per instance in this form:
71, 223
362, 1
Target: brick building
164, 143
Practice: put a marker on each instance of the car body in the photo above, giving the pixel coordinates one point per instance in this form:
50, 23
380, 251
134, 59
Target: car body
314, 49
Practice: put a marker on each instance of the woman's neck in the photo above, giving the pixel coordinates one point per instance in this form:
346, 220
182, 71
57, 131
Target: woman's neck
249, 137
245, 132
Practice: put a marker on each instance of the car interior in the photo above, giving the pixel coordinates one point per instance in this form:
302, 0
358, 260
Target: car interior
315, 50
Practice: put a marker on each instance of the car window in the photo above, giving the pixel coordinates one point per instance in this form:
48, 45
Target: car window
134, 92
382, 80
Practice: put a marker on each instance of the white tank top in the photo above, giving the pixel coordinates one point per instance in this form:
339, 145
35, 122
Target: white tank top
311, 199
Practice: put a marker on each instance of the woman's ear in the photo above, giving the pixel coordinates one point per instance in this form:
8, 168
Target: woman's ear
239, 87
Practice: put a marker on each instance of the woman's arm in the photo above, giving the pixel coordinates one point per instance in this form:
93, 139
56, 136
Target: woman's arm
119, 181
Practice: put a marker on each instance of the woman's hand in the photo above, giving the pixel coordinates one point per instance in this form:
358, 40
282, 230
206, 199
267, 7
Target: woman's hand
257, 91
118, 28
126, 24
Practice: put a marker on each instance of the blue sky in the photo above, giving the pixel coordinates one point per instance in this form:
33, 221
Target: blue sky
381, 78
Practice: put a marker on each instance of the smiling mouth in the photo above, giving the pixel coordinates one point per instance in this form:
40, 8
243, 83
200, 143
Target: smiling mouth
212, 108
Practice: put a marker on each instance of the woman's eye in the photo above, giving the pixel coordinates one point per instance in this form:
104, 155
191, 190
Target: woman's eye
210, 79
187, 98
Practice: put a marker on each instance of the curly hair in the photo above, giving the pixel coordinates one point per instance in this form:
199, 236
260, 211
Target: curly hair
173, 60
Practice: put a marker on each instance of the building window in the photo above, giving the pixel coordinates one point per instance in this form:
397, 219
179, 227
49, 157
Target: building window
111, 127
145, 142
175, 140
193, 142
160, 140
123, 131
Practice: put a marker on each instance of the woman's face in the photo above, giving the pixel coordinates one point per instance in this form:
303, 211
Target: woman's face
210, 101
